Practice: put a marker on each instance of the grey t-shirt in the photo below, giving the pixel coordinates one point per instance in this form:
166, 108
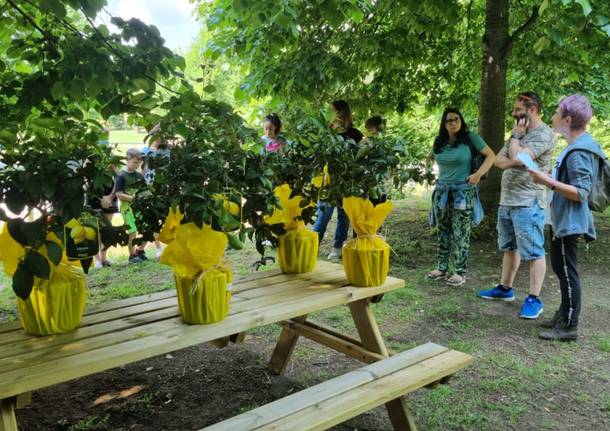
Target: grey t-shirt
518, 189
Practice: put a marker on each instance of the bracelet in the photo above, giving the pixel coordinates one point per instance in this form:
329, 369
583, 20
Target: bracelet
518, 138
553, 184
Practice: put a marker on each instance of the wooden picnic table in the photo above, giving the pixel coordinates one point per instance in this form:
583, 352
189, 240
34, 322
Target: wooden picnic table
130, 330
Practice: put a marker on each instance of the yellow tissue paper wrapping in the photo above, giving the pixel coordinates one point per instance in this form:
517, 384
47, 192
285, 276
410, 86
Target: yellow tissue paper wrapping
297, 249
55, 305
202, 280
366, 258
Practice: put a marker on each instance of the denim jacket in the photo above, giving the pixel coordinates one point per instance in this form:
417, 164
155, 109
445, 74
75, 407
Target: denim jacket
459, 201
580, 170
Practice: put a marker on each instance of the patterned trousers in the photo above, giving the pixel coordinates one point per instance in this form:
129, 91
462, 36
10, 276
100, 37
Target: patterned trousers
453, 237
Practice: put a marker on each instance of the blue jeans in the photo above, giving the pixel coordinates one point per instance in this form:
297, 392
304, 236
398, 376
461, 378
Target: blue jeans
323, 216
522, 229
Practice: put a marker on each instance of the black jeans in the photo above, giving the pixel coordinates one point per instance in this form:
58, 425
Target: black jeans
564, 260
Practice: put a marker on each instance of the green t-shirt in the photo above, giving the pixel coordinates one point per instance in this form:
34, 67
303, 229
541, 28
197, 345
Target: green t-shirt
125, 183
454, 161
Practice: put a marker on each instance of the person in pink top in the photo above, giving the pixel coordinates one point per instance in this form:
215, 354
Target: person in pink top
272, 125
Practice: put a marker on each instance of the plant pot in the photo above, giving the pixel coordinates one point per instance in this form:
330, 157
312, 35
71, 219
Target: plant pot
204, 298
55, 305
297, 251
366, 261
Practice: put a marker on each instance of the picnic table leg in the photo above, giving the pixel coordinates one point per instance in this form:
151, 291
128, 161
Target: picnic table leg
283, 348
400, 415
8, 421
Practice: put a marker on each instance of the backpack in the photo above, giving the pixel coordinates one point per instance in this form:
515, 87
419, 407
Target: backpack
477, 157
599, 196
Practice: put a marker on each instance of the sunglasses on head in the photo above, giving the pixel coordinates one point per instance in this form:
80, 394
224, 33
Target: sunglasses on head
524, 98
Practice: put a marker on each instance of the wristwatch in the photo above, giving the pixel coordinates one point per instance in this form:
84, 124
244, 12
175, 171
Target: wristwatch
518, 138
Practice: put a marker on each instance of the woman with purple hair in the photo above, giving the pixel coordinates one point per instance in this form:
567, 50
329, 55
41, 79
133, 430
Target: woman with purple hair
575, 173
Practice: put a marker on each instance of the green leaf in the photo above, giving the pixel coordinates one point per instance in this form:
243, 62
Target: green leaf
586, 6
16, 231
77, 89
37, 264
23, 281
92, 7
15, 200
541, 44
95, 86
331, 12
355, 14
54, 251
543, 6
34, 231
58, 90
53, 6
143, 84
209, 89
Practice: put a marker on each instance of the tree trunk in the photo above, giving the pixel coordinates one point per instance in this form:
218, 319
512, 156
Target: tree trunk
496, 47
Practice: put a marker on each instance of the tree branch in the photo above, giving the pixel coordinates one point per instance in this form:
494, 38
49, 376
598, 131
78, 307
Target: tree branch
28, 18
526, 25
521, 29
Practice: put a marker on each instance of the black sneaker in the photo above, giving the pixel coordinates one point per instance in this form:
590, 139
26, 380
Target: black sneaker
141, 254
560, 333
557, 317
135, 259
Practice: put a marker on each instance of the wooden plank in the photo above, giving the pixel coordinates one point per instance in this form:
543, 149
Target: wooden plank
284, 348
171, 293
129, 316
352, 349
120, 309
326, 390
134, 314
321, 270
363, 398
367, 327
43, 349
23, 400
400, 415
63, 369
8, 421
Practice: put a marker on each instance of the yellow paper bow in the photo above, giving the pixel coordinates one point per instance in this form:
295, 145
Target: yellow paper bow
194, 250
366, 218
171, 224
290, 210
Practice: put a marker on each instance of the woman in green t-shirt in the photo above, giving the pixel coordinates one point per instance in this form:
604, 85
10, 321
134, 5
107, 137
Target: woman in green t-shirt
455, 200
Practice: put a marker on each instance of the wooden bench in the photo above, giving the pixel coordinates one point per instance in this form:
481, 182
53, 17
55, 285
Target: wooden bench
130, 330
334, 401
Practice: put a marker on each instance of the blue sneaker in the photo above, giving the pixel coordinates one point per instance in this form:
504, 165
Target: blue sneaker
531, 308
498, 294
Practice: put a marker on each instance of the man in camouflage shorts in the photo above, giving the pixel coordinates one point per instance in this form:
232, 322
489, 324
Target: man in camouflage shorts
521, 213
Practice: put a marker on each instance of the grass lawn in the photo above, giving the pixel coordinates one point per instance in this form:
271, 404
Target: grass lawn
126, 139
517, 382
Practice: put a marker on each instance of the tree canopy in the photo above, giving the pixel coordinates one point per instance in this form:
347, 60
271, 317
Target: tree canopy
390, 56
